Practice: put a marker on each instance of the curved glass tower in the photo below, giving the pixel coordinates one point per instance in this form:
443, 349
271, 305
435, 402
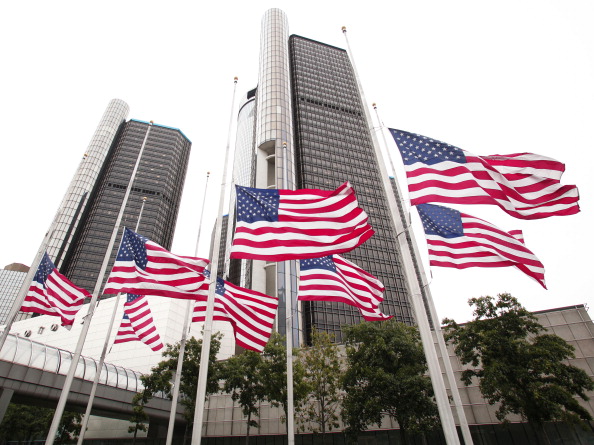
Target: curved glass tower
239, 271
159, 179
76, 197
274, 144
308, 101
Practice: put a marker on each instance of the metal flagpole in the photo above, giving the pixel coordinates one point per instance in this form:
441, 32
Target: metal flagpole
18, 302
289, 324
441, 397
182, 343
204, 356
431, 306
51, 435
85, 422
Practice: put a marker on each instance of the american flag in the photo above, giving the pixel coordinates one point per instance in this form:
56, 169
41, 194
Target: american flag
333, 278
251, 313
279, 225
51, 293
143, 267
137, 323
524, 185
460, 241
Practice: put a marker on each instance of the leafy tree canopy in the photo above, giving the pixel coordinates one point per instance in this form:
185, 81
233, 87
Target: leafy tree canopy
24, 423
517, 365
322, 378
162, 375
386, 375
275, 370
244, 380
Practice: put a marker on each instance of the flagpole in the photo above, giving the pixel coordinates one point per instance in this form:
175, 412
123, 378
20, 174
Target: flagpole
85, 421
441, 397
182, 343
205, 354
18, 302
431, 306
51, 435
289, 325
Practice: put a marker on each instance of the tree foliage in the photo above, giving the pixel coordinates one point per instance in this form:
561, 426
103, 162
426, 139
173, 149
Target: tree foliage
386, 375
517, 365
275, 370
24, 423
322, 379
244, 380
162, 376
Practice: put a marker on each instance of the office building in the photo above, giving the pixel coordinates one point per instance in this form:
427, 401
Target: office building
77, 195
11, 280
159, 179
308, 118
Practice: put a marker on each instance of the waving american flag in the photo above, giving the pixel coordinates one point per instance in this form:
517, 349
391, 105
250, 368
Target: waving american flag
137, 323
279, 225
145, 268
524, 185
460, 241
51, 293
333, 278
251, 313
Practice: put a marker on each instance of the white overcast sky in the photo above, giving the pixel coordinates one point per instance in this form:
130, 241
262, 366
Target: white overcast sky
489, 77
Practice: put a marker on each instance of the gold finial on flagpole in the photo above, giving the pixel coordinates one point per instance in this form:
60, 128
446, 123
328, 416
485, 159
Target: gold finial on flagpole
151, 122
374, 105
235, 79
344, 29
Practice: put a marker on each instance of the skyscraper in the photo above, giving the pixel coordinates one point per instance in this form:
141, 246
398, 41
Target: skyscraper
76, 197
11, 279
310, 120
159, 179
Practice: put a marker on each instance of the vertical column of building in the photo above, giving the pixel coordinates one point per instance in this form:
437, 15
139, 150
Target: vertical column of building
274, 131
333, 144
11, 280
76, 197
243, 167
160, 178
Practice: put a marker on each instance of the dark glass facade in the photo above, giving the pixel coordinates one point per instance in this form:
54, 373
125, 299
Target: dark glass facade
221, 247
333, 145
160, 178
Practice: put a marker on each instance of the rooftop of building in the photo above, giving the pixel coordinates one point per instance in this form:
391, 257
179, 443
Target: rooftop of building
163, 126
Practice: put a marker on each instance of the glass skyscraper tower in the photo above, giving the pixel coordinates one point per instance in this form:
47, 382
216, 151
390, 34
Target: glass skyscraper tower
159, 179
77, 196
309, 119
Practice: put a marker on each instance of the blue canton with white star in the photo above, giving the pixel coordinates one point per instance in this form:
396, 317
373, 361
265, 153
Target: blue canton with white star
220, 287
131, 297
416, 148
257, 204
441, 221
133, 248
325, 263
46, 266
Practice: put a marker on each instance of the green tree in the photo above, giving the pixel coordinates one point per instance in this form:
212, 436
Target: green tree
162, 375
275, 370
322, 378
386, 375
23, 423
139, 417
518, 366
244, 380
